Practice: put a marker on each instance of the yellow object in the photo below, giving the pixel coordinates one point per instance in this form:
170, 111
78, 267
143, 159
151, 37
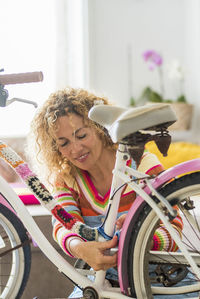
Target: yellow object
178, 152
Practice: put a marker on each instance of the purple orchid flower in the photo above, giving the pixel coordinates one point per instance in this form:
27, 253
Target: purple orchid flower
152, 58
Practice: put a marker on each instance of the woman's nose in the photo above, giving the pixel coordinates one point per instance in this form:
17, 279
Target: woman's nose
76, 146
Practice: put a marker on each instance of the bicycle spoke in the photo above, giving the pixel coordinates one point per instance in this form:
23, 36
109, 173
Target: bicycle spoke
163, 272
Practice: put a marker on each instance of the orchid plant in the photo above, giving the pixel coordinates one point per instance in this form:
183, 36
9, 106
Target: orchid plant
155, 62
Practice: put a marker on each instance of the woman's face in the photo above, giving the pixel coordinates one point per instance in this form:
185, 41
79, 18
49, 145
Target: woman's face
77, 142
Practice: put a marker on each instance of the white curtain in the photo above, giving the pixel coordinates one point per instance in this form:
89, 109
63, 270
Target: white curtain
48, 36
27, 30
71, 43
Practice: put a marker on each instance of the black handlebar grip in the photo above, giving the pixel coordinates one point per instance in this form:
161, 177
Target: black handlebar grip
21, 78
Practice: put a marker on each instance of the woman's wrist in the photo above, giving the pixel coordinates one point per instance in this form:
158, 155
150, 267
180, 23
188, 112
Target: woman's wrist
72, 245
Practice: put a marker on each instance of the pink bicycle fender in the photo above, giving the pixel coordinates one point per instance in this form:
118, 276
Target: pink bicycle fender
183, 168
4, 202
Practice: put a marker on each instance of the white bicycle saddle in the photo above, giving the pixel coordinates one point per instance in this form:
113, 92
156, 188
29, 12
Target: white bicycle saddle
121, 121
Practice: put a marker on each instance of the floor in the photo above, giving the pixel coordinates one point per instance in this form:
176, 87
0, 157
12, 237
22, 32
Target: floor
45, 281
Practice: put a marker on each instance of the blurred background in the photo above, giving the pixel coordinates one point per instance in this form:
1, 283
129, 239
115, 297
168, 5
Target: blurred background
131, 51
99, 45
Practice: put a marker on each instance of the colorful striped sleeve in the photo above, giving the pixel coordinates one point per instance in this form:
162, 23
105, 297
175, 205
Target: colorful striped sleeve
162, 239
150, 164
64, 197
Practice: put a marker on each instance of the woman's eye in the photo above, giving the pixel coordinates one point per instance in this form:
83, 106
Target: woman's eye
81, 136
64, 144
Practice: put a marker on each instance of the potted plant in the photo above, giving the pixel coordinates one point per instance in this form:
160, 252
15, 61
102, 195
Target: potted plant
182, 108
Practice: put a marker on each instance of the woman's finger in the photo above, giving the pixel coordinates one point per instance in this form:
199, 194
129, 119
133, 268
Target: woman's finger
106, 262
120, 221
108, 244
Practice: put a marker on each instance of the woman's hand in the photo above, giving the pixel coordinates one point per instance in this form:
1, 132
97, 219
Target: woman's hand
93, 253
120, 221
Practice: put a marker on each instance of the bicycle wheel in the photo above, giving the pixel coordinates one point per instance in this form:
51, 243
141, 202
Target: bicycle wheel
161, 274
14, 264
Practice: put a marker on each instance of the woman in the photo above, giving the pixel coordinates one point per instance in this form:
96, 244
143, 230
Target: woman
79, 157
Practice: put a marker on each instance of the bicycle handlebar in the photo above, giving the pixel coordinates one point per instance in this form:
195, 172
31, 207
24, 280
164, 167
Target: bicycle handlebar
21, 78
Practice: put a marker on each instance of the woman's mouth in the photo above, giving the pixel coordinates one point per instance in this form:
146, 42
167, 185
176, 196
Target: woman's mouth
82, 158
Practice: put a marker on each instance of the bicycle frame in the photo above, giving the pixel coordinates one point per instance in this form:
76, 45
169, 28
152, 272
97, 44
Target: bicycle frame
36, 233
50, 252
193, 165
119, 177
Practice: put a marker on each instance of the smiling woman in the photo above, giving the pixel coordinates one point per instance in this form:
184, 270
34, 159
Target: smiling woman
79, 156
62, 126
78, 143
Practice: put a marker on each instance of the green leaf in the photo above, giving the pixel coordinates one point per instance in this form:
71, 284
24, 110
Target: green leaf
145, 96
132, 101
149, 95
181, 99
155, 97
168, 101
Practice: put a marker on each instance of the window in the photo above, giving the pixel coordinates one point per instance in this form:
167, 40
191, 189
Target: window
27, 30
48, 36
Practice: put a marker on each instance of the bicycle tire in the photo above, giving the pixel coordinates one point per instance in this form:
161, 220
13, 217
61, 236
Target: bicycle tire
142, 283
15, 264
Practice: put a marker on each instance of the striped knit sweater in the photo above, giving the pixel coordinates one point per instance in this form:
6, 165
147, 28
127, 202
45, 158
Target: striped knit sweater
88, 204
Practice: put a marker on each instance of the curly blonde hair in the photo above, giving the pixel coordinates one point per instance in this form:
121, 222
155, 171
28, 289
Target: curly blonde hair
43, 128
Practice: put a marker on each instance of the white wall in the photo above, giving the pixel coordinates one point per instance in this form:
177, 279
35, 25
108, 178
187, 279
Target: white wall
119, 27
121, 30
192, 61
